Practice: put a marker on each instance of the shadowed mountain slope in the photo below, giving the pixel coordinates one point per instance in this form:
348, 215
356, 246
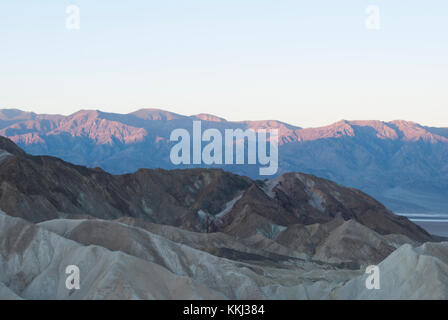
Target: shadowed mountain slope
39, 188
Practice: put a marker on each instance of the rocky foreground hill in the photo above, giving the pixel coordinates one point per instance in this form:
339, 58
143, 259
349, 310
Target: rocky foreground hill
202, 234
402, 164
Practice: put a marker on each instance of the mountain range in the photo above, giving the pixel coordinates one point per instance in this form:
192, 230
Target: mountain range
202, 234
402, 164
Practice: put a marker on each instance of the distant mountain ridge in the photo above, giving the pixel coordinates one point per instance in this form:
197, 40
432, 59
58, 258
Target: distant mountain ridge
403, 164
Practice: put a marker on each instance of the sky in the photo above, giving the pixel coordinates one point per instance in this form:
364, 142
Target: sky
308, 63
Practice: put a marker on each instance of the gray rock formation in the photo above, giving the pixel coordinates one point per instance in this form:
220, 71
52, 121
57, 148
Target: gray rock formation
119, 260
408, 273
202, 234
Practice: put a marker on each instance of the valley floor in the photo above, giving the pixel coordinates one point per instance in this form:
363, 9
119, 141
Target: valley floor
436, 224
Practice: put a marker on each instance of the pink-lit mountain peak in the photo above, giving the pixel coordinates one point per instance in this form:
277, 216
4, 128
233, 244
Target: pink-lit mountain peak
105, 127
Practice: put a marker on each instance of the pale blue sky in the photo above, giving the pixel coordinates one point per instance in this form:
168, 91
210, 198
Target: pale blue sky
308, 63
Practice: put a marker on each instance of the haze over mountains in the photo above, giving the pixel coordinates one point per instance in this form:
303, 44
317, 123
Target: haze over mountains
402, 164
202, 234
